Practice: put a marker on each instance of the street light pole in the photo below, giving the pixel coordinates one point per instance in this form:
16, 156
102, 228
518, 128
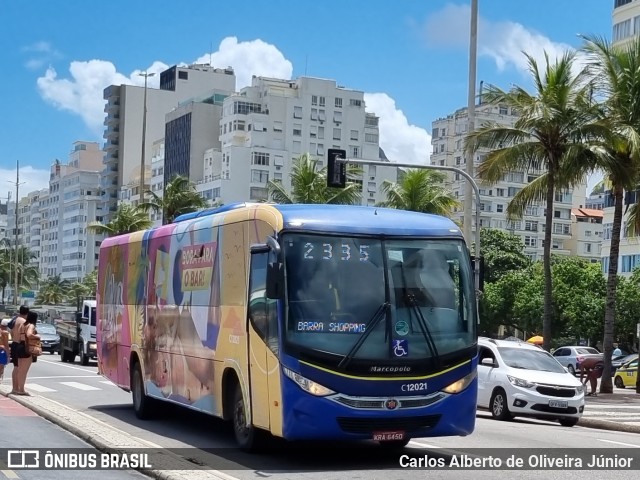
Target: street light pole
471, 113
144, 134
15, 293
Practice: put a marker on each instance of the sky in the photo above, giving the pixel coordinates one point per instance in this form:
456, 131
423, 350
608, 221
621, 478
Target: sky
409, 57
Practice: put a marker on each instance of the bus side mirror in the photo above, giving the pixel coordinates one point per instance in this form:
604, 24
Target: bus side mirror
275, 280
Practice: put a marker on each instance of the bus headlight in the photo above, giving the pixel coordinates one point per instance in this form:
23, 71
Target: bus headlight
307, 385
460, 385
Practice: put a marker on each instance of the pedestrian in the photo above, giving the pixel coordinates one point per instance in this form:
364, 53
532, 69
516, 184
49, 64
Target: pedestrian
616, 351
27, 332
5, 352
592, 367
15, 324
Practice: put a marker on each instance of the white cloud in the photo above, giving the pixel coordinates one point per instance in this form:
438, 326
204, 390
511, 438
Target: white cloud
41, 53
81, 94
39, 47
503, 41
250, 58
401, 141
31, 179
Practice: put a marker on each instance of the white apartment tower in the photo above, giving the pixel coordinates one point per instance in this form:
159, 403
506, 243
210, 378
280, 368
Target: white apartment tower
73, 202
626, 26
448, 136
124, 118
52, 222
273, 121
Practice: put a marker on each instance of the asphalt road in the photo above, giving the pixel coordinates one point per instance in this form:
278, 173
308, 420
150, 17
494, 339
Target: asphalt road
22, 429
83, 390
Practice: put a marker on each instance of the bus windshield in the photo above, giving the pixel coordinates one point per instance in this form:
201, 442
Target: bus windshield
374, 302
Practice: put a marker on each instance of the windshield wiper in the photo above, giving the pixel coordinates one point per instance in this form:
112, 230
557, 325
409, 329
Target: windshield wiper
370, 326
423, 324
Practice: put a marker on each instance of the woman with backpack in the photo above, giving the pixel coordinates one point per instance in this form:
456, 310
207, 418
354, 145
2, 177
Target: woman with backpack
28, 334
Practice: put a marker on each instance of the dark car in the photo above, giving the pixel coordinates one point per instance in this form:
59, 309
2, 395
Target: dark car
49, 337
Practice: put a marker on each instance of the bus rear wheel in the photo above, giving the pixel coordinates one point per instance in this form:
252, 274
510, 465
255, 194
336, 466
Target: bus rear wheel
246, 435
142, 404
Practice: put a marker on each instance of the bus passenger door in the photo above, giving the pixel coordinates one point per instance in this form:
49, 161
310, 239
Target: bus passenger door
257, 313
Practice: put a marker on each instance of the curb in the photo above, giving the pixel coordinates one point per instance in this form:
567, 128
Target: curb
188, 470
608, 425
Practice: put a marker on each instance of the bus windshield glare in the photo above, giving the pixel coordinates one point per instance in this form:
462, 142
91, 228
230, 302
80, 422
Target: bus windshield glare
392, 301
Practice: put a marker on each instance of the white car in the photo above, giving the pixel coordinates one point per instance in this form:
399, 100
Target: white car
520, 379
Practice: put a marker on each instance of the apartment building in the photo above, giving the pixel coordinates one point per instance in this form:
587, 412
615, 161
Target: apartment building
259, 131
124, 118
448, 135
625, 20
626, 26
3, 219
52, 222
586, 234
267, 125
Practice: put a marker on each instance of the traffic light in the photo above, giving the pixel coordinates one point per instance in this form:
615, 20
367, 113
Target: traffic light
336, 168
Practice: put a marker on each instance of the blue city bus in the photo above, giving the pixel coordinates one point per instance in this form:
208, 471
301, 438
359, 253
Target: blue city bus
316, 322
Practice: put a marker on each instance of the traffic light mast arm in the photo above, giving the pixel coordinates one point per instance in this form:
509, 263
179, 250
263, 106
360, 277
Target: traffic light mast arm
468, 177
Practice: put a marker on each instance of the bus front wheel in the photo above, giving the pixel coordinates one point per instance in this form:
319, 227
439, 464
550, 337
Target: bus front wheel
246, 435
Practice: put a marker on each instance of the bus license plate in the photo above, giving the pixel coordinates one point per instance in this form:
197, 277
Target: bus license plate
385, 436
558, 403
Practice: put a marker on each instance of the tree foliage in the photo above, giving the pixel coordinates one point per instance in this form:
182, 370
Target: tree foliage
309, 185
420, 190
503, 252
127, 219
516, 299
53, 291
179, 197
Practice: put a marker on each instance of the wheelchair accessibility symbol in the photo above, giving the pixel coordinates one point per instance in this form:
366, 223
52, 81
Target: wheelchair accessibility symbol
400, 348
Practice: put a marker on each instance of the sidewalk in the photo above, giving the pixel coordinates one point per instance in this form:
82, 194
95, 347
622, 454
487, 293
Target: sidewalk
619, 411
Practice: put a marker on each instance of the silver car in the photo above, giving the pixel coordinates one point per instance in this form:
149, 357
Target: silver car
568, 356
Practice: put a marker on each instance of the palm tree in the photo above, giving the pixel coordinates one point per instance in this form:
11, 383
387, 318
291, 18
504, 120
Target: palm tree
90, 281
6, 267
547, 134
53, 291
180, 196
28, 272
127, 219
420, 190
616, 74
76, 292
309, 185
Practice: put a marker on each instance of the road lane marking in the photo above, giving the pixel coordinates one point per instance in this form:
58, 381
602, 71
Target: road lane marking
60, 364
62, 376
38, 388
79, 386
619, 443
423, 445
608, 407
108, 382
9, 473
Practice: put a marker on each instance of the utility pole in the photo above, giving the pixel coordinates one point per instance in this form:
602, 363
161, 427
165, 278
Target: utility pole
471, 112
144, 135
17, 184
